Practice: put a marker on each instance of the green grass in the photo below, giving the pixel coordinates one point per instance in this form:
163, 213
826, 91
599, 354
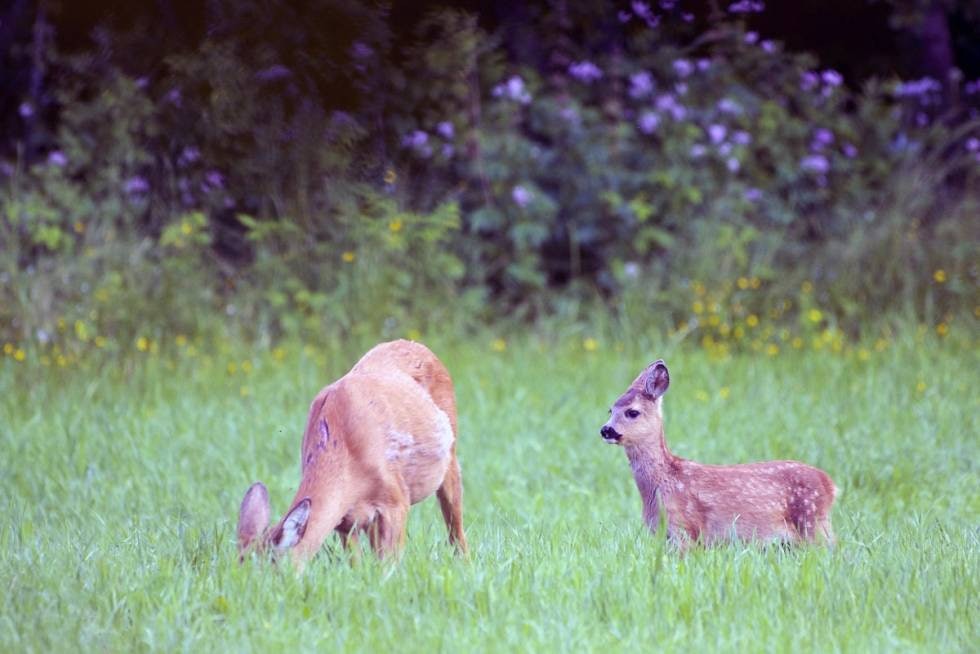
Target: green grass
122, 478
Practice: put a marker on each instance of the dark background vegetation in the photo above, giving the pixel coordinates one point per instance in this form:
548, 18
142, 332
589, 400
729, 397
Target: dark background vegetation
276, 168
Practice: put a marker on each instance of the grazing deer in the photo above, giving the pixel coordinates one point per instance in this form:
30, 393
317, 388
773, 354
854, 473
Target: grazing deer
768, 500
377, 440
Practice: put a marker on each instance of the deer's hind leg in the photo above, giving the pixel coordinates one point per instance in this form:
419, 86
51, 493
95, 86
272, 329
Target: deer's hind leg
450, 495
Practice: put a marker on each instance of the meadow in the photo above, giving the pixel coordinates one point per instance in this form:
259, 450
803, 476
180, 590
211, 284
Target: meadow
122, 476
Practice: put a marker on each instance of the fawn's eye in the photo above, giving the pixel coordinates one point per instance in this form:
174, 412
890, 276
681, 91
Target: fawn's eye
632, 413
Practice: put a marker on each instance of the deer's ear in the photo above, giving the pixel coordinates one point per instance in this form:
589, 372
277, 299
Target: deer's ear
657, 379
293, 526
253, 516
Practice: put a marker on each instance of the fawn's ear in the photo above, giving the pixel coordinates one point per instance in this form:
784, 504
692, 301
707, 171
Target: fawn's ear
253, 516
293, 526
657, 379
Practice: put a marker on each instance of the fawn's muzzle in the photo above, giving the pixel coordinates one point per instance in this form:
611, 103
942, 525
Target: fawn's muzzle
609, 434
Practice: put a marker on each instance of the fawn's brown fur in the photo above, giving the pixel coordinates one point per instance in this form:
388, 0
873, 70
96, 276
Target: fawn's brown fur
377, 440
769, 500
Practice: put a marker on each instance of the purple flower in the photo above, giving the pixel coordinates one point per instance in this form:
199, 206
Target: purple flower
361, 50
649, 121
717, 133
849, 150
416, 139
448, 151
753, 194
972, 87
272, 73
680, 88
513, 89
746, 7
918, 88
697, 151
624, 16
521, 196
768, 46
831, 77
751, 37
445, 129
585, 71
809, 81
815, 163
725, 149
173, 96
214, 179
687, 17
188, 155
741, 137
643, 11
668, 104
733, 165
26, 110
683, 67
729, 106
668, 5
136, 185
419, 142
57, 158
641, 84
570, 115
703, 64
142, 82
972, 144
822, 137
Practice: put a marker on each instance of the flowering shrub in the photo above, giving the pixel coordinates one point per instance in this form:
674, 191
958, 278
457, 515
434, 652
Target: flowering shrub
632, 164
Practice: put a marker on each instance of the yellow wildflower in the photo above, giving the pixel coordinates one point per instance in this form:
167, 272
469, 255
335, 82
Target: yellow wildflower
279, 354
347, 256
19, 355
806, 287
863, 354
743, 283
697, 307
724, 392
142, 344
186, 228
395, 225
590, 344
180, 340
498, 345
100, 341
79, 227
8, 349
232, 367
414, 335
752, 320
772, 349
814, 315
942, 329
754, 282
939, 276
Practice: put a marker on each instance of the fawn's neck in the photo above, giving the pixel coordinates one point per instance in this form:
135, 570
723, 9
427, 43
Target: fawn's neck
654, 468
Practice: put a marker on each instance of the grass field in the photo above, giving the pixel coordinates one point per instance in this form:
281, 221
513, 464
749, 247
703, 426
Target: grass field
121, 481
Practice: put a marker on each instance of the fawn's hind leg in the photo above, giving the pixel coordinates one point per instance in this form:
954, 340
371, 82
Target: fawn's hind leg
450, 496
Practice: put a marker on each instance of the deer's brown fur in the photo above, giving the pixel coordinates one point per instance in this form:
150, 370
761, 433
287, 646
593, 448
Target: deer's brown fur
377, 440
769, 500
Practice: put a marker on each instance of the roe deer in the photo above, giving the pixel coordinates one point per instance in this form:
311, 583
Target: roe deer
768, 500
377, 440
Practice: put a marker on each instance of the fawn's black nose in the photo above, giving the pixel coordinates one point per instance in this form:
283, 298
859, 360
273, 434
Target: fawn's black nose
609, 434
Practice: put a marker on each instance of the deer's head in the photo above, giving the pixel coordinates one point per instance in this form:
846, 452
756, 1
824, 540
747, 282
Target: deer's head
253, 524
637, 414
